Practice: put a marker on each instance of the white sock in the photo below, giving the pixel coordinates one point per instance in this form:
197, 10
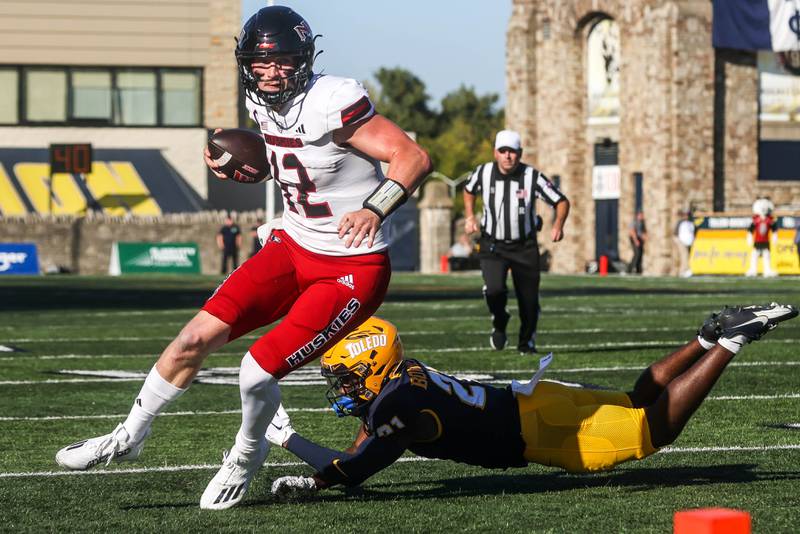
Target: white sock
261, 397
156, 393
767, 262
733, 344
704, 343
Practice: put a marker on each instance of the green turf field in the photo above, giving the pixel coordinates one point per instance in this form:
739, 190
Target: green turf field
742, 449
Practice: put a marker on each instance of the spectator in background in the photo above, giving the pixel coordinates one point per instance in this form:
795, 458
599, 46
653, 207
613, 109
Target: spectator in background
459, 254
762, 231
229, 239
638, 236
684, 237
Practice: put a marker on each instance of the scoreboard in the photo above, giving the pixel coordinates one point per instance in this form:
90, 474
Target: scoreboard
71, 158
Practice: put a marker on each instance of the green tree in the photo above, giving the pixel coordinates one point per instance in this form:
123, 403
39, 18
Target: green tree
402, 98
467, 125
478, 111
459, 148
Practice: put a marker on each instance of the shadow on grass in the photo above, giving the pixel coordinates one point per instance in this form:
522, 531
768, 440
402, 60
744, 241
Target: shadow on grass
528, 484
632, 479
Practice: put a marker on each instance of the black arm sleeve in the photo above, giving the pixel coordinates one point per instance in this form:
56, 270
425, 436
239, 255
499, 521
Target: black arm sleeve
314, 455
334, 467
373, 455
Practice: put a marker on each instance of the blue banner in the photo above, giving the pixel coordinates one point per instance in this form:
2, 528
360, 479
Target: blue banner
18, 258
757, 24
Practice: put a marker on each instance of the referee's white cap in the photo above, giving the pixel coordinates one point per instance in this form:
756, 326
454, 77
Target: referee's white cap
509, 139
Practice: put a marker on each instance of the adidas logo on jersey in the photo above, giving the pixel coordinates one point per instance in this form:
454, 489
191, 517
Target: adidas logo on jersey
346, 280
300, 129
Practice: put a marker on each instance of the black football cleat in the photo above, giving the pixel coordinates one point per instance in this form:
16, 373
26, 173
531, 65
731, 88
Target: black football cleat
752, 322
527, 348
710, 330
729, 316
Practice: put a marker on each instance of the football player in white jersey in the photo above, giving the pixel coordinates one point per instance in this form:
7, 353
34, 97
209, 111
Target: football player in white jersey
324, 273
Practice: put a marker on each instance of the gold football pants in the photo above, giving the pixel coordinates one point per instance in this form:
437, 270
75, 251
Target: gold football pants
582, 429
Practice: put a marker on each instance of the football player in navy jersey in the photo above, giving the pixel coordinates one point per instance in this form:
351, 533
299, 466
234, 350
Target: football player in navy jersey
405, 405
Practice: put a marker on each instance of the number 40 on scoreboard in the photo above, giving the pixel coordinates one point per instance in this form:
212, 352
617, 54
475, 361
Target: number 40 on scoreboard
71, 158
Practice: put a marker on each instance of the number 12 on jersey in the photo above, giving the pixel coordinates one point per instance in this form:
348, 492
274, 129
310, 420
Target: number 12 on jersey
289, 162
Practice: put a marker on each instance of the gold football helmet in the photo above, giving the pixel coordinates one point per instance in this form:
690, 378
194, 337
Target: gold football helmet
357, 366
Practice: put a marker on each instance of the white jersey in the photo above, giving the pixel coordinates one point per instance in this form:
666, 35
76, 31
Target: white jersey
320, 180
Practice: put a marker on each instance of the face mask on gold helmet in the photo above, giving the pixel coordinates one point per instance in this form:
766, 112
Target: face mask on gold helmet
357, 366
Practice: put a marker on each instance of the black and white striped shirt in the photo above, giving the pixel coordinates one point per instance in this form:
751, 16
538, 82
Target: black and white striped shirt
508, 200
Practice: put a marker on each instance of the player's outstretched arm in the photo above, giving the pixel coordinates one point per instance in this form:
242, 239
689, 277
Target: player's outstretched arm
350, 469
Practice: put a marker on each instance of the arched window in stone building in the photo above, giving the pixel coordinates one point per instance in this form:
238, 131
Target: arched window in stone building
602, 72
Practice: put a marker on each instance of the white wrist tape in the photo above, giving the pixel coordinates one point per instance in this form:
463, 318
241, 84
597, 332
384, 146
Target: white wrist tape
386, 198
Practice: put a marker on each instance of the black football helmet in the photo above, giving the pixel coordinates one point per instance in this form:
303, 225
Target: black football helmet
273, 31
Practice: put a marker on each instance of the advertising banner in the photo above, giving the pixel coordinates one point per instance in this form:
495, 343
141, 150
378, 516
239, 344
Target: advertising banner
721, 247
18, 258
130, 257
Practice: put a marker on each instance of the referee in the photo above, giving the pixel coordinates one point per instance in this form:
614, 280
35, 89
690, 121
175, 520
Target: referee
508, 189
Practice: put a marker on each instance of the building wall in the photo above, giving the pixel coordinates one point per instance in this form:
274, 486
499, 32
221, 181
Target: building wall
105, 32
666, 124
83, 244
740, 145
181, 147
146, 33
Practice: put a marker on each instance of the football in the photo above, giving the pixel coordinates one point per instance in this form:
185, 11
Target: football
241, 155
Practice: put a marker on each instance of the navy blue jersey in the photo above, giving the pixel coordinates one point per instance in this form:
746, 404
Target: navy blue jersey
433, 415
474, 423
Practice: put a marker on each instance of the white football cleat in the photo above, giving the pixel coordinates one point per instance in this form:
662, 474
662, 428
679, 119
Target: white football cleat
230, 484
114, 447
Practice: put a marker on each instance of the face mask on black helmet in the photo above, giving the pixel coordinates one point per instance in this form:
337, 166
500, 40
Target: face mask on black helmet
275, 31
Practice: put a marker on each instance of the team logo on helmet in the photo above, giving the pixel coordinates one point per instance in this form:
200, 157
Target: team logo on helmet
357, 366
303, 31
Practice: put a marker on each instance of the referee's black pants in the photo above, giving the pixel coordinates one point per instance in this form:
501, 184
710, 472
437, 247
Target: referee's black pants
522, 258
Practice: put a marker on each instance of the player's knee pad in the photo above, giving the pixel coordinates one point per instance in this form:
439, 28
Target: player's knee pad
255, 381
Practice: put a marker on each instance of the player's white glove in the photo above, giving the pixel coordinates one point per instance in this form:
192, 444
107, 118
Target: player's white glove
749, 239
293, 487
280, 428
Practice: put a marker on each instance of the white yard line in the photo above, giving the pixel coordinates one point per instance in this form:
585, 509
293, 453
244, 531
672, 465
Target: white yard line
167, 414
310, 377
197, 467
667, 343
187, 413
